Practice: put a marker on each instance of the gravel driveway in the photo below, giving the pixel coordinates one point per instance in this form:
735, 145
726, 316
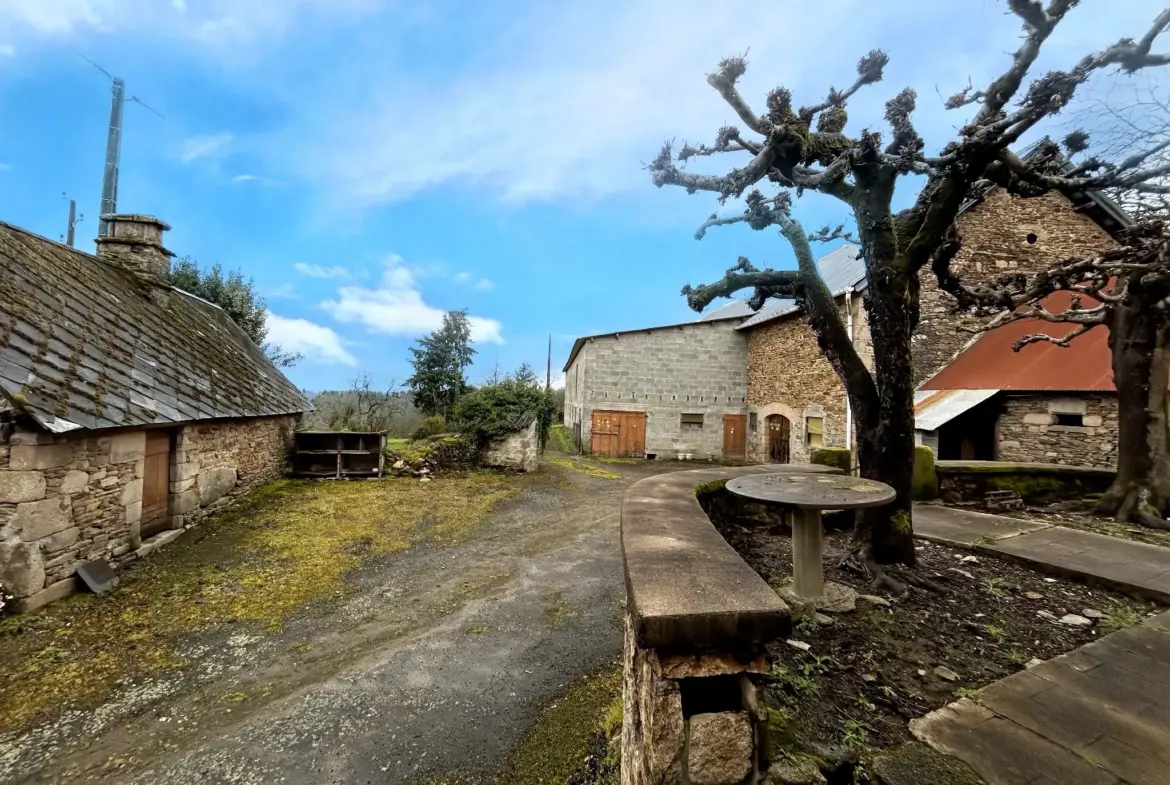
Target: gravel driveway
432, 671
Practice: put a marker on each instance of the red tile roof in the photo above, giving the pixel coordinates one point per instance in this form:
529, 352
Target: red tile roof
1085, 365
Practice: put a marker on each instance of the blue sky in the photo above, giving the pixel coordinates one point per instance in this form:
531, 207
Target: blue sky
372, 163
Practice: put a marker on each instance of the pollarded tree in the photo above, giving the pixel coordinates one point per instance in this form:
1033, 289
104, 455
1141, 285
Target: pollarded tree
1127, 291
807, 149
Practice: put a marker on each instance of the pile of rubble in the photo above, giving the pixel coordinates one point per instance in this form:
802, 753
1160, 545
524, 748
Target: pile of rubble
422, 468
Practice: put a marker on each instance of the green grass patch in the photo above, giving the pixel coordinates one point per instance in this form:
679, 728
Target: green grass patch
560, 439
554, 751
583, 467
285, 545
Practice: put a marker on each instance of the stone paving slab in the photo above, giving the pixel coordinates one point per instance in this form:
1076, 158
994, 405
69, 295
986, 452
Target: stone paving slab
953, 526
1135, 568
1079, 719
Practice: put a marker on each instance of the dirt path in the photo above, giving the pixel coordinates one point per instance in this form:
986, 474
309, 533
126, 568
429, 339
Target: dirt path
433, 670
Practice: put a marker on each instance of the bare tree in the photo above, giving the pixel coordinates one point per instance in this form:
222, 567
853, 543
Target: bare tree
807, 149
1124, 118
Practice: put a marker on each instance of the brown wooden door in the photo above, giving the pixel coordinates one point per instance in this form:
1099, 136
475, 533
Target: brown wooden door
779, 435
735, 436
618, 434
156, 481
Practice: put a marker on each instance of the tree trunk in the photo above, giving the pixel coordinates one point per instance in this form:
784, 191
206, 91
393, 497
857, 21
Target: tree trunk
1141, 363
885, 443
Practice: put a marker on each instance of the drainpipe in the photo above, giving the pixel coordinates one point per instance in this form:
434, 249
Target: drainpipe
849, 331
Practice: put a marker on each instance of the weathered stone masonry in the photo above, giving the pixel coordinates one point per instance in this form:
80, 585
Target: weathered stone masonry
1028, 430
66, 500
1002, 234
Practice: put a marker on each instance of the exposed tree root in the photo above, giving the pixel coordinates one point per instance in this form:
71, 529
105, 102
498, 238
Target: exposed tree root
896, 579
1133, 505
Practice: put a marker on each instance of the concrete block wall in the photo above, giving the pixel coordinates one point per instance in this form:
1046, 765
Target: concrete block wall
697, 368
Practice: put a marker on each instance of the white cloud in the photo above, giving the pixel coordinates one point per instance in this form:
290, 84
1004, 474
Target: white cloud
6, 50
484, 285
179, 5
319, 271
318, 343
396, 307
209, 146
582, 93
285, 291
558, 380
462, 277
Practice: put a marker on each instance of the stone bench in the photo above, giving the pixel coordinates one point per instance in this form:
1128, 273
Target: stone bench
697, 620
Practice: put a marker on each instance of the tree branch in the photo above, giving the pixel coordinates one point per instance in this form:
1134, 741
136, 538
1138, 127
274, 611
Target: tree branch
724, 79
1080, 329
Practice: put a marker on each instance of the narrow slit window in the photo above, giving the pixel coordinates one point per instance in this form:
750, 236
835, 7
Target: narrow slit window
752, 422
691, 422
815, 431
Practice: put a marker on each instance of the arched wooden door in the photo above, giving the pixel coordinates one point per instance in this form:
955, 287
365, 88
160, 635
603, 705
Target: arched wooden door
779, 434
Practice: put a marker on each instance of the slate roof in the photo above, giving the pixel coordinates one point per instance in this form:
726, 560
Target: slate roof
841, 270
85, 344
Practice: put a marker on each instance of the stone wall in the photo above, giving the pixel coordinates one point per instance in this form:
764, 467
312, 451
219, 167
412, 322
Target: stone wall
1002, 234
697, 368
215, 462
1028, 430
789, 375
69, 499
518, 452
665, 744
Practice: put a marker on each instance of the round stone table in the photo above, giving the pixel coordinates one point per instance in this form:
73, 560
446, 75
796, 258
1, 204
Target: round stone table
807, 495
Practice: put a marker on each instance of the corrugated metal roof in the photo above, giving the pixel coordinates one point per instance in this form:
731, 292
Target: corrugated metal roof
736, 309
933, 409
841, 270
1085, 365
85, 344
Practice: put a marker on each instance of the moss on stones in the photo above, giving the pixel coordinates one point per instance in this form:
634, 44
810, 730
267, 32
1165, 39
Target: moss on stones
556, 748
924, 479
709, 487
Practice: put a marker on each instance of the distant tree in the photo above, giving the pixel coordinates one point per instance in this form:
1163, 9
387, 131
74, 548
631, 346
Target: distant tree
439, 361
525, 375
238, 298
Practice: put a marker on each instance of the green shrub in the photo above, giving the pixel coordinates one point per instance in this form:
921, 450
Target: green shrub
837, 457
498, 410
431, 426
924, 480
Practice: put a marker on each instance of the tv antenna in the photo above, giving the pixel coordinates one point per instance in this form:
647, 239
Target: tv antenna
113, 145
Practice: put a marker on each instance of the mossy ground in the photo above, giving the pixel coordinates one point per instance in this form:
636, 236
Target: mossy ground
557, 749
286, 545
583, 466
560, 439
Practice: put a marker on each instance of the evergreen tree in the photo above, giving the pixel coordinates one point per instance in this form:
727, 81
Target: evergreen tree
526, 376
439, 361
237, 297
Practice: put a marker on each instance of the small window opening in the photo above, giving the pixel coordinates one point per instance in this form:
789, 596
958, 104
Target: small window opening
815, 432
1031, 238
691, 422
752, 422
1070, 419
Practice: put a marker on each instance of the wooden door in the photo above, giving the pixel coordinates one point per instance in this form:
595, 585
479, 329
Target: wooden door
735, 436
779, 435
618, 434
156, 481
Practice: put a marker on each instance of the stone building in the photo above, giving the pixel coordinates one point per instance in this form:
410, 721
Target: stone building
1043, 404
129, 409
792, 400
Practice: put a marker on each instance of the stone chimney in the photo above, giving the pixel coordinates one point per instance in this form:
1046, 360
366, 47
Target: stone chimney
134, 243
